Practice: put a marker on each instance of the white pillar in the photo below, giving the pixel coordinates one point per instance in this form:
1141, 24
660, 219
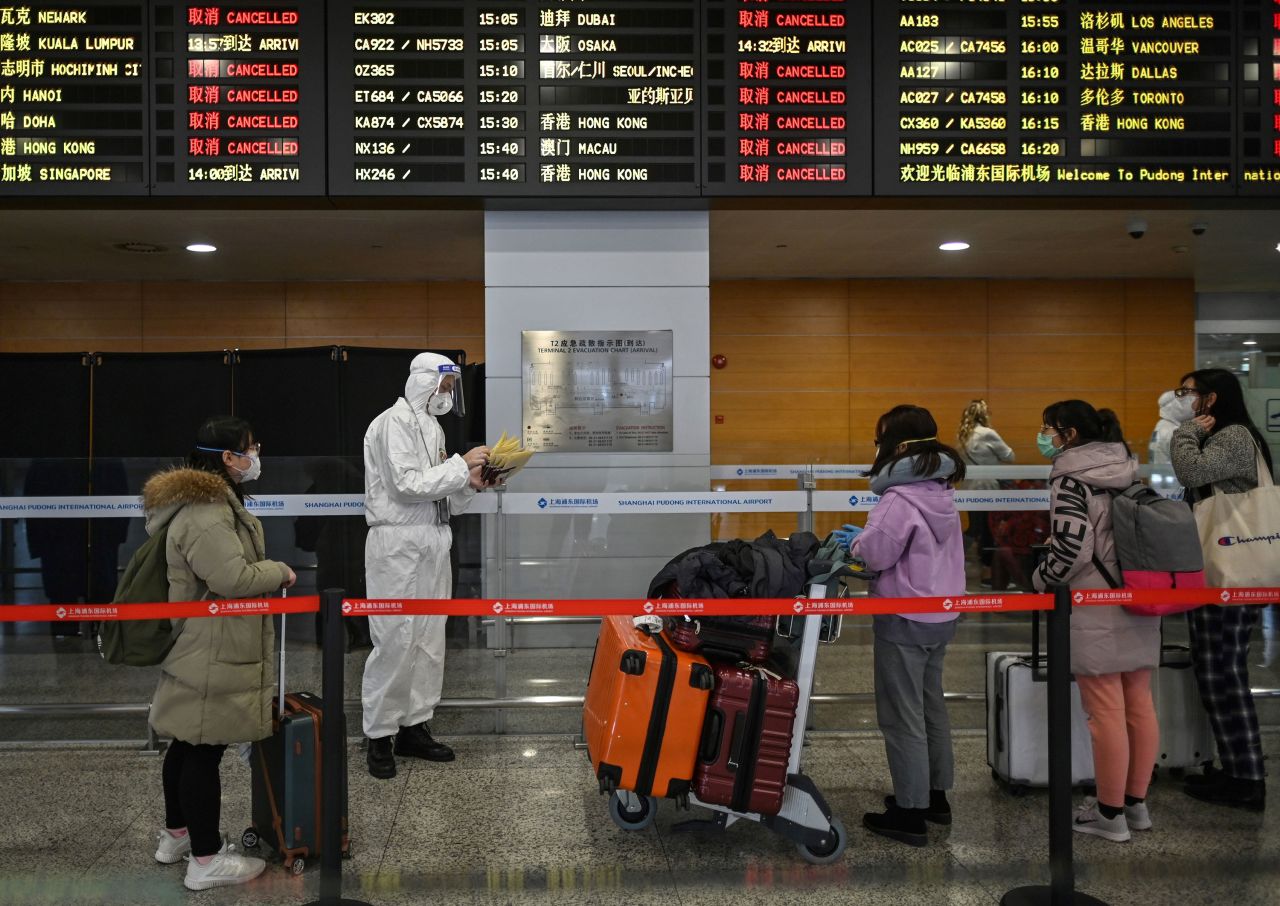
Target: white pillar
600, 270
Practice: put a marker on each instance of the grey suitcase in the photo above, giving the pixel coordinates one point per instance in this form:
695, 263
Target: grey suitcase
1018, 726
1186, 736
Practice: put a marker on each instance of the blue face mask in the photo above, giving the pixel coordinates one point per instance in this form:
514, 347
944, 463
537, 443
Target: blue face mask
1044, 443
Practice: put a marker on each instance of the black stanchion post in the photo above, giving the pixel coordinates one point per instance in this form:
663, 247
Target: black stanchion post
1061, 890
333, 743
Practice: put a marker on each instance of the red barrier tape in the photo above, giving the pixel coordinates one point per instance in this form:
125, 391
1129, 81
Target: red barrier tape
735, 607
174, 610
595, 607
1111, 597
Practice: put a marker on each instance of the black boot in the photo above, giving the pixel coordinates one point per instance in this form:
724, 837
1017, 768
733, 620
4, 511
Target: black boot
1250, 795
906, 825
382, 763
416, 742
938, 812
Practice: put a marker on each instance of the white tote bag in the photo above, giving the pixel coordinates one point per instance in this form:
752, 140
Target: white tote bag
1240, 535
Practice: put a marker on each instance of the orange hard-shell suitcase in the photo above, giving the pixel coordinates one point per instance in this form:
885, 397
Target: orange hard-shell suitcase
645, 705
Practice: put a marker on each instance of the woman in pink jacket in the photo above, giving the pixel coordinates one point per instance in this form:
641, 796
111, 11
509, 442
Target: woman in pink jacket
913, 541
1113, 651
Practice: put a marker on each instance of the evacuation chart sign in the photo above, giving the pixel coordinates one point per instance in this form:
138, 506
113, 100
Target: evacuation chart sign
597, 391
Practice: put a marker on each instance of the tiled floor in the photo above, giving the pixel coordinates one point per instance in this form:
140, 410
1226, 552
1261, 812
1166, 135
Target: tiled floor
518, 820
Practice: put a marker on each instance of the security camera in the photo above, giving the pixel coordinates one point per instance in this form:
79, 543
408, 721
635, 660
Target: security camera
1198, 228
1137, 228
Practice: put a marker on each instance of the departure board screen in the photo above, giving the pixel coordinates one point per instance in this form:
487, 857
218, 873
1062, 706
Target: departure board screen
788, 97
239, 98
514, 97
640, 98
1259, 74
73, 104
1111, 97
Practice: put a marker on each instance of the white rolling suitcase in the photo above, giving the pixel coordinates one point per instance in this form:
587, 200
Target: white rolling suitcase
1186, 736
1018, 726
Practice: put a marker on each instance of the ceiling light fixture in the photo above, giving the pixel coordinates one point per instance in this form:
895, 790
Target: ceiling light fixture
202, 247
953, 246
1251, 342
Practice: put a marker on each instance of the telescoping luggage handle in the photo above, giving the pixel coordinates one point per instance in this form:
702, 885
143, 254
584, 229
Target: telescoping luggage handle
284, 593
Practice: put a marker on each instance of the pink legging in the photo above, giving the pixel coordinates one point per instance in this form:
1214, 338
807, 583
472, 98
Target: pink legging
1126, 737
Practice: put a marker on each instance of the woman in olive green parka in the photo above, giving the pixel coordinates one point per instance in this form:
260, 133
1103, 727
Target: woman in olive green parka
216, 683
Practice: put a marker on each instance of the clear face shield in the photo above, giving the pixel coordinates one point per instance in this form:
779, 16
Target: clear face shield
448, 396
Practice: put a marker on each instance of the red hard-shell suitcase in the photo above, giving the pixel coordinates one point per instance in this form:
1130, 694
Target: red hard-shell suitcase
746, 740
733, 638
642, 717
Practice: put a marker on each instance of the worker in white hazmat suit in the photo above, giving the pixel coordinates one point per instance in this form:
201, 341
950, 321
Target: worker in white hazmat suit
412, 486
1174, 410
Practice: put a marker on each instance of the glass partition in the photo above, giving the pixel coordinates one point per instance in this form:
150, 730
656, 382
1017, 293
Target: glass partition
510, 675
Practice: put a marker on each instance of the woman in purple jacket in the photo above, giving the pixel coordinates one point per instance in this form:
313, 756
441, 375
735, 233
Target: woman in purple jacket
914, 542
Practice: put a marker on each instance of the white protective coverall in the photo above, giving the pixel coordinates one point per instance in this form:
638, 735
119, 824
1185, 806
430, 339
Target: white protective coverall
1158, 450
1173, 412
406, 554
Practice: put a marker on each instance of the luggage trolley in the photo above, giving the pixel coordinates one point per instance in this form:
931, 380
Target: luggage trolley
805, 818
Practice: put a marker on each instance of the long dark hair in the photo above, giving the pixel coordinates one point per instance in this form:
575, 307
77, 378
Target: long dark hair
1091, 425
218, 433
911, 425
1229, 408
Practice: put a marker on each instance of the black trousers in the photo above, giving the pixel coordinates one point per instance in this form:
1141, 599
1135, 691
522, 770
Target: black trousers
193, 794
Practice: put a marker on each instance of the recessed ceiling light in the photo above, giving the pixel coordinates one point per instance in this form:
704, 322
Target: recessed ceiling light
201, 247
953, 246
1251, 342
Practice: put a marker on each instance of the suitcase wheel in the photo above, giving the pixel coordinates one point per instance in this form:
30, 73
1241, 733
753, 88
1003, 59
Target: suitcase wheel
250, 838
831, 850
632, 812
298, 866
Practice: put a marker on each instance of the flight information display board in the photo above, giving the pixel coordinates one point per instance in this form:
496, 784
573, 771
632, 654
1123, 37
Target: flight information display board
239, 98
1110, 97
73, 98
514, 97
788, 99
653, 98
1259, 74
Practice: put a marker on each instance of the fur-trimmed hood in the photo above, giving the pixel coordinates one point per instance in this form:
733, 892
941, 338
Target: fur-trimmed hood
169, 491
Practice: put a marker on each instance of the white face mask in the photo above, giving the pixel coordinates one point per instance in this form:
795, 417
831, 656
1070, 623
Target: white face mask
1182, 409
440, 405
253, 473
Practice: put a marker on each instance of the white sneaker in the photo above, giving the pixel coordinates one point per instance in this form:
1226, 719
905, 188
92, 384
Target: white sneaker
171, 849
1089, 820
1137, 817
228, 867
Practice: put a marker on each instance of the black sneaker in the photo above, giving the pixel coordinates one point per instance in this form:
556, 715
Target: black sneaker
938, 812
1211, 776
416, 742
1250, 795
382, 762
906, 825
